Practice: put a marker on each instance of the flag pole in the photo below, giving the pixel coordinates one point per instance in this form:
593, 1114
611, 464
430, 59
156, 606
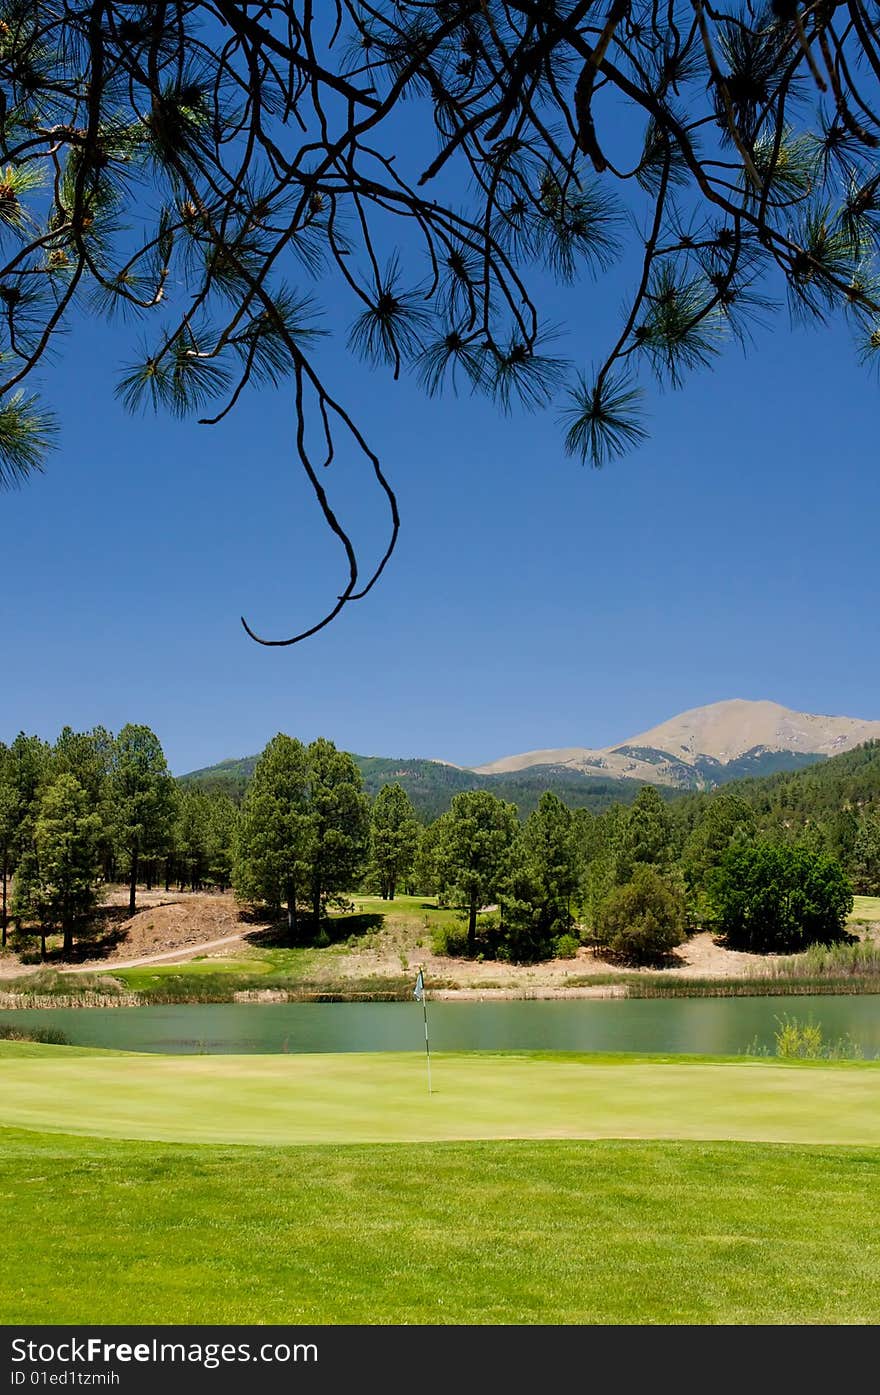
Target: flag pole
422, 995
427, 1047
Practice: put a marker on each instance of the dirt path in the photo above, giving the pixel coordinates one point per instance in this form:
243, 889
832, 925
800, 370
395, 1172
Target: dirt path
187, 952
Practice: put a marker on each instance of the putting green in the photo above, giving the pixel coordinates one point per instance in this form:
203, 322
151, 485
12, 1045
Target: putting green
377, 1098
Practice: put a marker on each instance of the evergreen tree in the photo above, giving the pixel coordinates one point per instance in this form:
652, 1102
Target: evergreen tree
603, 859
551, 856
8, 830
866, 855
66, 845
221, 831
475, 842
27, 771
545, 877
88, 755
191, 835
142, 793
275, 832
647, 835
340, 816
426, 873
394, 837
841, 832
726, 820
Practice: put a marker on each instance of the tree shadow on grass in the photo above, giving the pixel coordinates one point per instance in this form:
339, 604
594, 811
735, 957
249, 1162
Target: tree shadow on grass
332, 930
341, 927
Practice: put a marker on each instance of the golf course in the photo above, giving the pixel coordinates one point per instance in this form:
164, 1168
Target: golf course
526, 1188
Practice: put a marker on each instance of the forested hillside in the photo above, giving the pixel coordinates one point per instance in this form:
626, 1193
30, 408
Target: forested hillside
431, 785
822, 805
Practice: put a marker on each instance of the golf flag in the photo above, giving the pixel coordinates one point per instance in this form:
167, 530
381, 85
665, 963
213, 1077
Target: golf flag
419, 990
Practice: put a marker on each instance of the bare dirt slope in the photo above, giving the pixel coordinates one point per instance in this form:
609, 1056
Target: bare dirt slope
167, 925
396, 948
168, 920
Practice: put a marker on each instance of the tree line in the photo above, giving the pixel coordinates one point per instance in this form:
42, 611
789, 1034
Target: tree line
95, 809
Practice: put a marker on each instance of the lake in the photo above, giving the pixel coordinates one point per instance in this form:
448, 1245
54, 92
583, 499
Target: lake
717, 1026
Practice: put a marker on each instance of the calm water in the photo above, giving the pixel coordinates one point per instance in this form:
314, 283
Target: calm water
721, 1026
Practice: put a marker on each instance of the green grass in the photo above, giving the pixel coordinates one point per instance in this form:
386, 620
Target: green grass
506, 1211
866, 908
373, 1098
293, 963
507, 1232
42, 1051
419, 908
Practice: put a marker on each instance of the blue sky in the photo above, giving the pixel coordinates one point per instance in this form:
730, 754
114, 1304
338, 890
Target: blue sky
531, 602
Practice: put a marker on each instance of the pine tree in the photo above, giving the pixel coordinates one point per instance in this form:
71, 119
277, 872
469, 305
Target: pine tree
726, 820
394, 837
275, 833
544, 876
88, 755
647, 834
475, 842
221, 831
66, 847
8, 828
143, 797
866, 855
27, 771
340, 822
551, 857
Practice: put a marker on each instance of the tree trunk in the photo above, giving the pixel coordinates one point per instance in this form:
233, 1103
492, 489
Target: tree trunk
168, 869
67, 942
291, 908
4, 914
149, 874
392, 887
132, 886
317, 908
42, 941
472, 924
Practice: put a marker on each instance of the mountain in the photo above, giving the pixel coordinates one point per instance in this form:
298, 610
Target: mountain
707, 746
697, 750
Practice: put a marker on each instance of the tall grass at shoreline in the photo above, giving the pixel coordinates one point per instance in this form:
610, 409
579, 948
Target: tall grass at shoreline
847, 960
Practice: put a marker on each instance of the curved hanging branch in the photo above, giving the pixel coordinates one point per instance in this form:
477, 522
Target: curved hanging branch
332, 523
242, 155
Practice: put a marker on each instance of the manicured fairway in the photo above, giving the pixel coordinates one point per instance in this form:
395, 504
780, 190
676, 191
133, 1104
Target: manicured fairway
370, 1097
503, 1232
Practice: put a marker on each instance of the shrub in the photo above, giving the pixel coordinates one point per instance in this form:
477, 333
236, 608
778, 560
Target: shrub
803, 1041
450, 939
642, 921
566, 946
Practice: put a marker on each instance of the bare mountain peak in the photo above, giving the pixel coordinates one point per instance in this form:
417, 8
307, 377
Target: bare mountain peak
727, 731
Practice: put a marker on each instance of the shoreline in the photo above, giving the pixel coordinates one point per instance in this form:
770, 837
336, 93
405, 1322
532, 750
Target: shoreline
643, 990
